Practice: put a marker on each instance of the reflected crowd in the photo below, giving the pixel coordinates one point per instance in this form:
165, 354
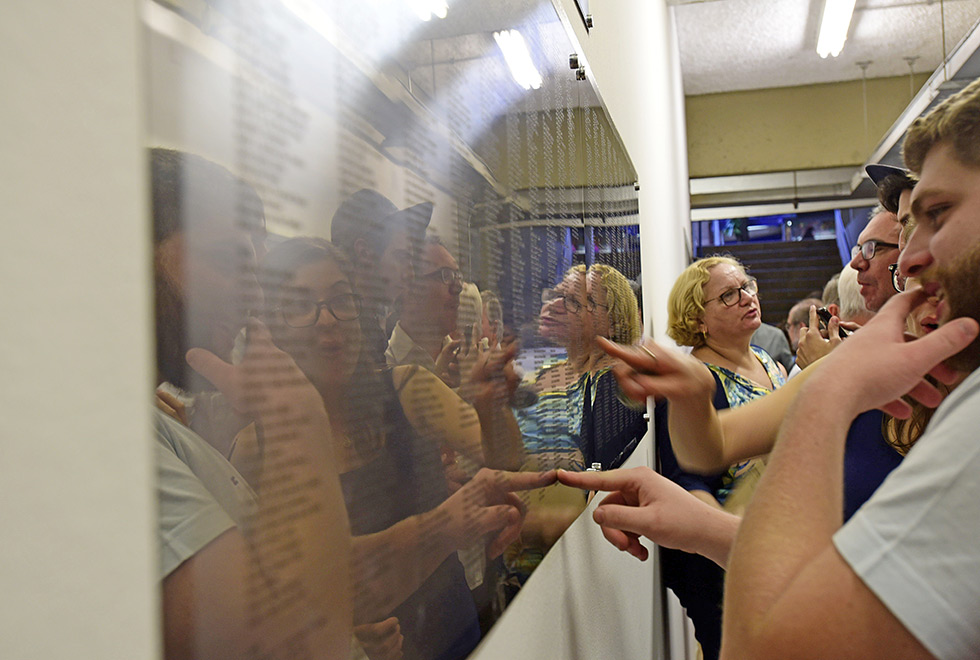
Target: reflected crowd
349, 459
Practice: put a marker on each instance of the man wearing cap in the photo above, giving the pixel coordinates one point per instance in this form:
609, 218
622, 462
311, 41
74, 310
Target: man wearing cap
429, 310
381, 241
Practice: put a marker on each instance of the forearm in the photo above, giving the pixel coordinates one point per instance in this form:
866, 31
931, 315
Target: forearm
708, 441
299, 544
390, 565
697, 436
794, 513
503, 445
714, 529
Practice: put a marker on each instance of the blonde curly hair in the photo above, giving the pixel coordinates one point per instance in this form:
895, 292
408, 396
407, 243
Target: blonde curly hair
685, 304
624, 314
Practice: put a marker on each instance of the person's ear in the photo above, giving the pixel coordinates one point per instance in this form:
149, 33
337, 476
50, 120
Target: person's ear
834, 309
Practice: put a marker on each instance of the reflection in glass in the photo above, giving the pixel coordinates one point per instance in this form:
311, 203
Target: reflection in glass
356, 216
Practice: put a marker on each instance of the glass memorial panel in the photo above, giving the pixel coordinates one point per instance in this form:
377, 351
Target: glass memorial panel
386, 237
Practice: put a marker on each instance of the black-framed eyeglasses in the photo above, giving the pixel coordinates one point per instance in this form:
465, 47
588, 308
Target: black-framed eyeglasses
734, 296
305, 313
592, 305
446, 274
869, 248
571, 305
898, 282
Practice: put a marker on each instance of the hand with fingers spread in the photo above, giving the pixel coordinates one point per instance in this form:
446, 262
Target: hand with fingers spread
644, 503
899, 364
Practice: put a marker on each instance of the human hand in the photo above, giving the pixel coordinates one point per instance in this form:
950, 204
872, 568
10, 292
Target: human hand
816, 343
490, 378
267, 384
447, 363
455, 475
486, 504
644, 503
877, 366
172, 406
671, 375
382, 640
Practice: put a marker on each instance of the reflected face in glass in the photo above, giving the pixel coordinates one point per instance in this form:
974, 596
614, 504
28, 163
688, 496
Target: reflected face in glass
730, 322
328, 350
873, 275
601, 321
437, 301
560, 324
395, 266
213, 270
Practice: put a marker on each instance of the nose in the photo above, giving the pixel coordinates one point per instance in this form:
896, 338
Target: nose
858, 262
456, 287
916, 256
325, 319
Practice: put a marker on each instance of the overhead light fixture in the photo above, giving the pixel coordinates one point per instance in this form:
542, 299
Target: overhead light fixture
833, 27
518, 58
426, 9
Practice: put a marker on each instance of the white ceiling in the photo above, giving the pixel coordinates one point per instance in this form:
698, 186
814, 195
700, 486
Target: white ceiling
729, 45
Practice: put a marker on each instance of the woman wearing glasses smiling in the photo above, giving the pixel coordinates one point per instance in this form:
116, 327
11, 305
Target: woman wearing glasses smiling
387, 429
714, 308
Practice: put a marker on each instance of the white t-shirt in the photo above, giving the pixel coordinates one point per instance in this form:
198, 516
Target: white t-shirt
200, 494
916, 542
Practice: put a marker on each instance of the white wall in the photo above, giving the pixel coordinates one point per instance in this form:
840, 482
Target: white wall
77, 562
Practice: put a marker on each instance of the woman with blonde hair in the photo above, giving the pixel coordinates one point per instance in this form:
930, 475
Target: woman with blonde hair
577, 419
714, 308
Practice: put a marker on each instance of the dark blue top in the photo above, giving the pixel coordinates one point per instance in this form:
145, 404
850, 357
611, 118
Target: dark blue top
868, 459
439, 620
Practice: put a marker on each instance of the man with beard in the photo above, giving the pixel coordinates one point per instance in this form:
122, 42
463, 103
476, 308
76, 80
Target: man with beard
226, 591
902, 577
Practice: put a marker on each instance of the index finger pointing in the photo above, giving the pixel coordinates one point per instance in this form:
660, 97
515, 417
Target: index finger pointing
640, 359
605, 481
524, 480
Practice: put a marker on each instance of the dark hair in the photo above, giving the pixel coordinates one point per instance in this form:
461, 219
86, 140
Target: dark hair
364, 412
188, 189
890, 189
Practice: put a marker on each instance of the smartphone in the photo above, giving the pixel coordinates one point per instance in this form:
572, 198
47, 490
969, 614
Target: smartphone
825, 317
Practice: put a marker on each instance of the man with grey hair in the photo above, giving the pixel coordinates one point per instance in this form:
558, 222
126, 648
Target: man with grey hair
876, 250
851, 307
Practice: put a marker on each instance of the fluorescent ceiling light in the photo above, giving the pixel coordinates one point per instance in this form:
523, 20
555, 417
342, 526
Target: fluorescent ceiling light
833, 27
426, 9
518, 58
